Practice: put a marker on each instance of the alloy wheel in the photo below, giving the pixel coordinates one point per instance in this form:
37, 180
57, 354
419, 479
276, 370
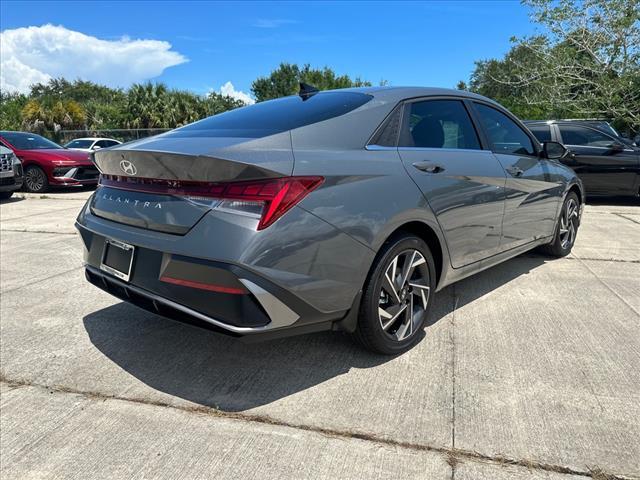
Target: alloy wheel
404, 295
568, 224
34, 178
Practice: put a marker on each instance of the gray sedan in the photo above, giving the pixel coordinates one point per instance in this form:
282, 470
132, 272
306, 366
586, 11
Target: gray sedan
344, 210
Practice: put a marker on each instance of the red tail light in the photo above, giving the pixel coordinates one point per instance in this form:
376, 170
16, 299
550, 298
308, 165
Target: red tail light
274, 196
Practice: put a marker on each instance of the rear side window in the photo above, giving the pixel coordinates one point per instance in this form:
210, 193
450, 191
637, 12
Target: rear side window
541, 132
504, 134
274, 116
387, 134
573, 135
438, 124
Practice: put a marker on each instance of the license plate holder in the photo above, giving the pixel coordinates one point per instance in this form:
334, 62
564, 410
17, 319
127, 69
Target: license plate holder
117, 259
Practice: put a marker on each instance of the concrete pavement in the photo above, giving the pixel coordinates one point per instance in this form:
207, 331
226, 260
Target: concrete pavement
528, 370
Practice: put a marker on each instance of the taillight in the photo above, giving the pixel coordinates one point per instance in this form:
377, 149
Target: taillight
266, 199
270, 198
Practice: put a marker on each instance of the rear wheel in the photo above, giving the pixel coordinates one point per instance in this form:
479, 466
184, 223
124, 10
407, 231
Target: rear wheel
567, 228
397, 296
35, 180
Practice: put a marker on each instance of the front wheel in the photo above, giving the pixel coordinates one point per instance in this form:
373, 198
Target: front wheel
35, 180
397, 296
566, 229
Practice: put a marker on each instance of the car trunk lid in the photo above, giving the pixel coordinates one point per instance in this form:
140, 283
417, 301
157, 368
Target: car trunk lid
167, 184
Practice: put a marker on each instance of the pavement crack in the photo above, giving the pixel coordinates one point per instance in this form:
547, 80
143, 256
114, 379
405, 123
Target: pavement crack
622, 215
606, 285
615, 260
452, 461
452, 456
38, 231
4, 292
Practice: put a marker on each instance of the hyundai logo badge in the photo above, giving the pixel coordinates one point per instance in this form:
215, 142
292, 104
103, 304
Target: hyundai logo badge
128, 167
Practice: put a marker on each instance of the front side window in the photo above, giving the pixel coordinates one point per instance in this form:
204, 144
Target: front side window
541, 132
438, 124
505, 136
586, 137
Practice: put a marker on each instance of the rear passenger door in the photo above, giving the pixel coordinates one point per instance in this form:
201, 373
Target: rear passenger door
532, 191
604, 170
463, 184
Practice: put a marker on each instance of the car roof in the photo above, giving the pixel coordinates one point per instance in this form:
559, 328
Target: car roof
571, 120
397, 94
93, 138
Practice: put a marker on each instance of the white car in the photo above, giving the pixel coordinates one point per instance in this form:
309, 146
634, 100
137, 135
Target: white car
89, 144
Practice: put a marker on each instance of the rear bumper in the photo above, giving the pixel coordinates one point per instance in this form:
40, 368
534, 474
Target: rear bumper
256, 308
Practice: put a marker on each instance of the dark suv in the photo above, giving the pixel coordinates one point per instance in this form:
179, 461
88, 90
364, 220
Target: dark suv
607, 163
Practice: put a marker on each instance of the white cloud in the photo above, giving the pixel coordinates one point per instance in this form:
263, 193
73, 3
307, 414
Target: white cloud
229, 89
36, 54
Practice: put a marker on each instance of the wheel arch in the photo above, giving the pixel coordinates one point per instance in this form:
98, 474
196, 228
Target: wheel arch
578, 191
430, 237
422, 230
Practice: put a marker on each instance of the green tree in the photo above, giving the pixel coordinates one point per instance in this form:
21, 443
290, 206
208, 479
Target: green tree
52, 114
11, 105
146, 106
285, 80
586, 63
215, 103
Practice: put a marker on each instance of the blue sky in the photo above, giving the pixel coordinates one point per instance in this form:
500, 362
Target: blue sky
203, 45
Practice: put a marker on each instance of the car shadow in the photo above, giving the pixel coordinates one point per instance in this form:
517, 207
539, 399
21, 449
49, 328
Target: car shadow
12, 199
221, 372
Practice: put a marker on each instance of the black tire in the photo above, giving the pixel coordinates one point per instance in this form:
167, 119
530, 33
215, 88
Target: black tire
569, 213
5, 195
35, 180
377, 300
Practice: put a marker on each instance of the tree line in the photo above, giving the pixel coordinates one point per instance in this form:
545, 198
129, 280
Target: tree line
583, 63
61, 104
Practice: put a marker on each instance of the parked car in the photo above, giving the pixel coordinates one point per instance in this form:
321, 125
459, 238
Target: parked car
47, 164
10, 173
90, 144
606, 163
344, 209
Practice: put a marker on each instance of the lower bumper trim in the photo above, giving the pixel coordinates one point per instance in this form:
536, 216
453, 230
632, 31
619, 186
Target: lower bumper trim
168, 308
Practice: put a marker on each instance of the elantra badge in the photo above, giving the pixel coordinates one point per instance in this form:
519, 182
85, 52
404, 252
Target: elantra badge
128, 167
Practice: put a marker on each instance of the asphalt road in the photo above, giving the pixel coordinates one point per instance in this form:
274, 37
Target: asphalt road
530, 370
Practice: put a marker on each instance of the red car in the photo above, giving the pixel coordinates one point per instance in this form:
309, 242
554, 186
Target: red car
48, 164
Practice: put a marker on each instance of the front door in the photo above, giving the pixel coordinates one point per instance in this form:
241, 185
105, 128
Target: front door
603, 169
532, 192
463, 184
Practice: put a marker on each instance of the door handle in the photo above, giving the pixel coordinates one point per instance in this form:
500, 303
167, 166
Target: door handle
515, 171
428, 167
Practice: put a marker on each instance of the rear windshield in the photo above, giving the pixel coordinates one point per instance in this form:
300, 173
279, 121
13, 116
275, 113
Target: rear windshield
28, 141
274, 116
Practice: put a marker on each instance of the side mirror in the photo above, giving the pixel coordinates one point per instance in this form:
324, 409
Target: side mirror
554, 150
96, 147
